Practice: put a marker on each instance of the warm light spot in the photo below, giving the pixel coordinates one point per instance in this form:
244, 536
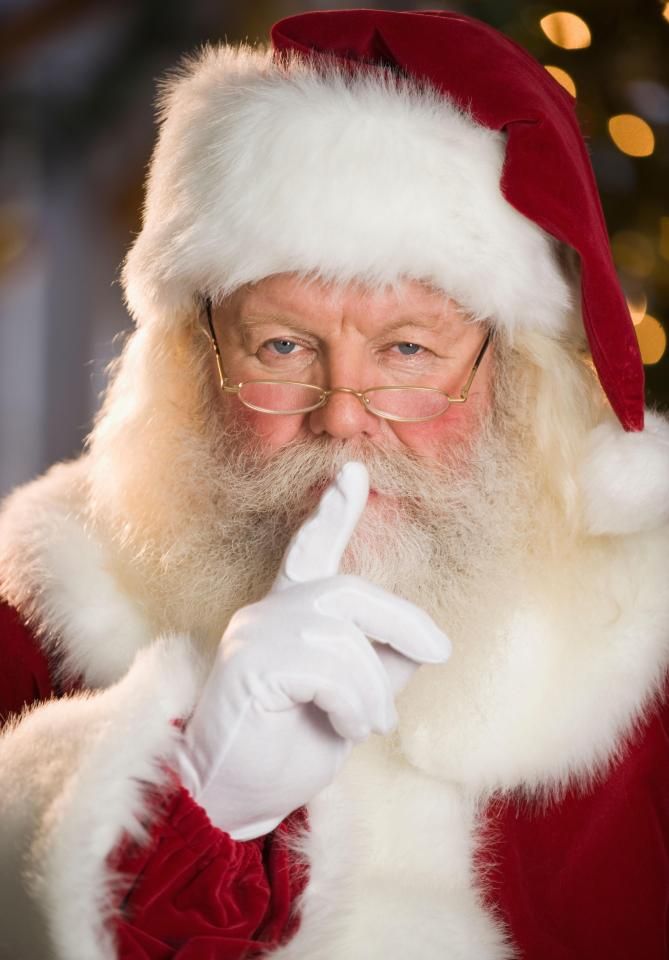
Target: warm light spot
633, 253
652, 340
632, 135
14, 234
665, 12
563, 79
637, 308
566, 30
664, 237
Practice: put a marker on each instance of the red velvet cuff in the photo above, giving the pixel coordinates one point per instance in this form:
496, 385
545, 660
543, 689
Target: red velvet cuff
192, 892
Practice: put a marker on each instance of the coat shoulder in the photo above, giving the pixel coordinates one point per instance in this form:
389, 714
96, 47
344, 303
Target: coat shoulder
56, 570
597, 857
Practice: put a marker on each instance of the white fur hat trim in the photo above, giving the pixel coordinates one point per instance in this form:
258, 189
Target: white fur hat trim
625, 478
263, 168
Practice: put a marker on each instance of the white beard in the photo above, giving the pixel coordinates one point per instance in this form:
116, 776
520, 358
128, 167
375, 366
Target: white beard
204, 519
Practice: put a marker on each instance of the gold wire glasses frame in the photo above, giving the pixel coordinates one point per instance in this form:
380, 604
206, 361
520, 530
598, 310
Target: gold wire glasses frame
380, 401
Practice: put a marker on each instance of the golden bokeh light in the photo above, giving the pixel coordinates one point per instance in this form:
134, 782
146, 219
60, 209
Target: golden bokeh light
15, 235
632, 135
563, 79
665, 12
664, 237
652, 340
566, 30
637, 308
634, 253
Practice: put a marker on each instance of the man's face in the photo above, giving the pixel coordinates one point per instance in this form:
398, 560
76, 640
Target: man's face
346, 336
213, 491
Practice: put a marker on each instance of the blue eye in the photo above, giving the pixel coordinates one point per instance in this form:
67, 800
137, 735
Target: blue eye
409, 349
283, 346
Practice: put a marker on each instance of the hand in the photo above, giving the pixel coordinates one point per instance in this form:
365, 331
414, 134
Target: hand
296, 681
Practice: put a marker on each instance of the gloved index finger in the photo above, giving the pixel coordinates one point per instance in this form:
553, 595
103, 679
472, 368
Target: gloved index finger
318, 546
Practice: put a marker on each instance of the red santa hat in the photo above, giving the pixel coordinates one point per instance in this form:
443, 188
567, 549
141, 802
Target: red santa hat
373, 145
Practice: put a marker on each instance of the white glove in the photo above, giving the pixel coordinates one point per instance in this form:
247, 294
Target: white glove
296, 681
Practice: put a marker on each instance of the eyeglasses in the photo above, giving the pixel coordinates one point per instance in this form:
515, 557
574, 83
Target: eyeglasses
407, 404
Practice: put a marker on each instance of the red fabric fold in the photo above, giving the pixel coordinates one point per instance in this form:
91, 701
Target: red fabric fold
24, 677
196, 892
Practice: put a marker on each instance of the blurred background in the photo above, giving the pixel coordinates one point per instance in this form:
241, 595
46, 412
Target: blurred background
78, 86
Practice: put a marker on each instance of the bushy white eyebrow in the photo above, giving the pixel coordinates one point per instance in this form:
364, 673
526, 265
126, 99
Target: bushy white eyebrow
425, 321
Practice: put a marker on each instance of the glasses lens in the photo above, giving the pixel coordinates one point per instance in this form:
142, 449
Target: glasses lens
272, 396
408, 403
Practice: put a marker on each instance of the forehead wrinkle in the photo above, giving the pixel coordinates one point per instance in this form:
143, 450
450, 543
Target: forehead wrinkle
427, 321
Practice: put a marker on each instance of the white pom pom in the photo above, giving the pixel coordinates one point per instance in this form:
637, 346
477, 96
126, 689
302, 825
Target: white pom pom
625, 478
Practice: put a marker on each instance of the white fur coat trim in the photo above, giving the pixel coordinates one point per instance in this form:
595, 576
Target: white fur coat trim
55, 571
75, 772
264, 167
391, 869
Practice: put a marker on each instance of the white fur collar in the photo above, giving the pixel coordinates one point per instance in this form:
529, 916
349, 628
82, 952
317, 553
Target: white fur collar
569, 673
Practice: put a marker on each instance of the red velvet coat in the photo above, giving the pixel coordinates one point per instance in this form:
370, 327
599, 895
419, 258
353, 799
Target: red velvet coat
583, 879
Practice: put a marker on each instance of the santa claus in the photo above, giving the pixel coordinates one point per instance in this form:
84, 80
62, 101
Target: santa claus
347, 636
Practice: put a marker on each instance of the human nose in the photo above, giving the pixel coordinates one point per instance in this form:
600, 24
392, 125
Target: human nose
344, 416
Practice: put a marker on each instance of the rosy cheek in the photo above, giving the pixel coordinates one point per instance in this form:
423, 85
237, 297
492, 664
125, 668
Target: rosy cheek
431, 437
272, 431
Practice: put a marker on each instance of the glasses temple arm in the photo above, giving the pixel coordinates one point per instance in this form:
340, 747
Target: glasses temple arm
464, 393
214, 343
